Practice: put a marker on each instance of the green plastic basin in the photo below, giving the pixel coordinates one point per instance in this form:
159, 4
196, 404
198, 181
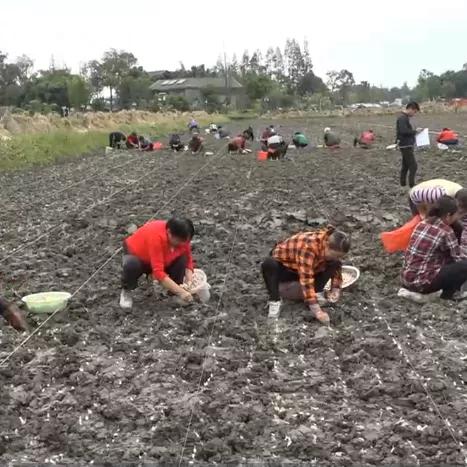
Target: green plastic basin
46, 302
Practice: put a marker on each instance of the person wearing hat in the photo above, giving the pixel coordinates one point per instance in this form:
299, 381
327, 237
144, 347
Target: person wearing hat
365, 140
12, 315
331, 140
276, 147
425, 194
422, 199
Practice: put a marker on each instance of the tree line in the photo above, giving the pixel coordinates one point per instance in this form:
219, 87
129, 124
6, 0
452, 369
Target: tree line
277, 77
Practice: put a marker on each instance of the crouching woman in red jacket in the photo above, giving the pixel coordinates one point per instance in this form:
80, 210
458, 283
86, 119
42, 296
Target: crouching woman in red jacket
163, 249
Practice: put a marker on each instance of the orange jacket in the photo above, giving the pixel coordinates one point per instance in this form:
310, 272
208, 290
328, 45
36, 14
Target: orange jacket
447, 135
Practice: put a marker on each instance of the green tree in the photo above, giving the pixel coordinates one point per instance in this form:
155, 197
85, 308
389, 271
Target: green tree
14, 78
340, 84
429, 86
309, 83
50, 87
178, 103
78, 91
257, 86
110, 71
134, 88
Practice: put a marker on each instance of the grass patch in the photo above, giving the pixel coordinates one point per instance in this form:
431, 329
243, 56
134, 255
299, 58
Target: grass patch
46, 148
27, 150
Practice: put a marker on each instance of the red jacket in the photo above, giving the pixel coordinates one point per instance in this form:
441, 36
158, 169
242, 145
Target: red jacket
239, 142
132, 139
150, 243
447, 135
367, 137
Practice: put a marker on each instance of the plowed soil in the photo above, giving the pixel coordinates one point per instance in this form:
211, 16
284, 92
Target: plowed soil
218, 383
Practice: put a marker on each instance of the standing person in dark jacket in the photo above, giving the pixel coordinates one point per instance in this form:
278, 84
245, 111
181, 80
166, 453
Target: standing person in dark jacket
406, 139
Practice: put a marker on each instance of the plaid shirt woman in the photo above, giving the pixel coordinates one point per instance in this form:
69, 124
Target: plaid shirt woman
432, 260
432, 245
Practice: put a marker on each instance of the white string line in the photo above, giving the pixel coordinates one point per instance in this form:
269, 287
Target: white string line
422, 383
216, 313
209, 341
25, 341
435, 332
53, 228
92, 177
53, 172
101, 267
60, 224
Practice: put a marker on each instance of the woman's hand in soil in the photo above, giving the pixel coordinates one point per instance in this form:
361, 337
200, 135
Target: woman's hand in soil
319, 314
186, 296
334, 295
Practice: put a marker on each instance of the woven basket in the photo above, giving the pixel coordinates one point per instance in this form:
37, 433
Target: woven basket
350, 275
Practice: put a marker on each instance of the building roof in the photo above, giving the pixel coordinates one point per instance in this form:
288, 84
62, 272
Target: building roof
158, 74
162, 85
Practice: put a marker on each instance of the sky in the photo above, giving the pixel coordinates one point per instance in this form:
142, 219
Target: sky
383, 42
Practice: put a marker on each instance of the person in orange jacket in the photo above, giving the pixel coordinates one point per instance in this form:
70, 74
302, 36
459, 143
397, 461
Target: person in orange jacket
448, 137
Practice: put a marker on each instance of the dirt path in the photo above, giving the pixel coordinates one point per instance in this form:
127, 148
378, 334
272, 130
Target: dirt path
218, 383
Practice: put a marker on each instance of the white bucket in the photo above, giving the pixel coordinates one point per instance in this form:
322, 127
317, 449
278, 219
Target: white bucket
108, 150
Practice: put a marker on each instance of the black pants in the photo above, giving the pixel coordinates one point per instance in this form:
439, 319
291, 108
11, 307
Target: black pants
409, 165
450, 279
176, 146
115, 140
134, 268
275, 272
3, 306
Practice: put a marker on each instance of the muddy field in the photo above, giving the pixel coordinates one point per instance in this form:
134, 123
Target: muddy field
219, 383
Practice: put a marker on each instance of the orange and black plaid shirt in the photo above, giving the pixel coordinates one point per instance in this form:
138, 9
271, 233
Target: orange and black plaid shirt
304, 254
